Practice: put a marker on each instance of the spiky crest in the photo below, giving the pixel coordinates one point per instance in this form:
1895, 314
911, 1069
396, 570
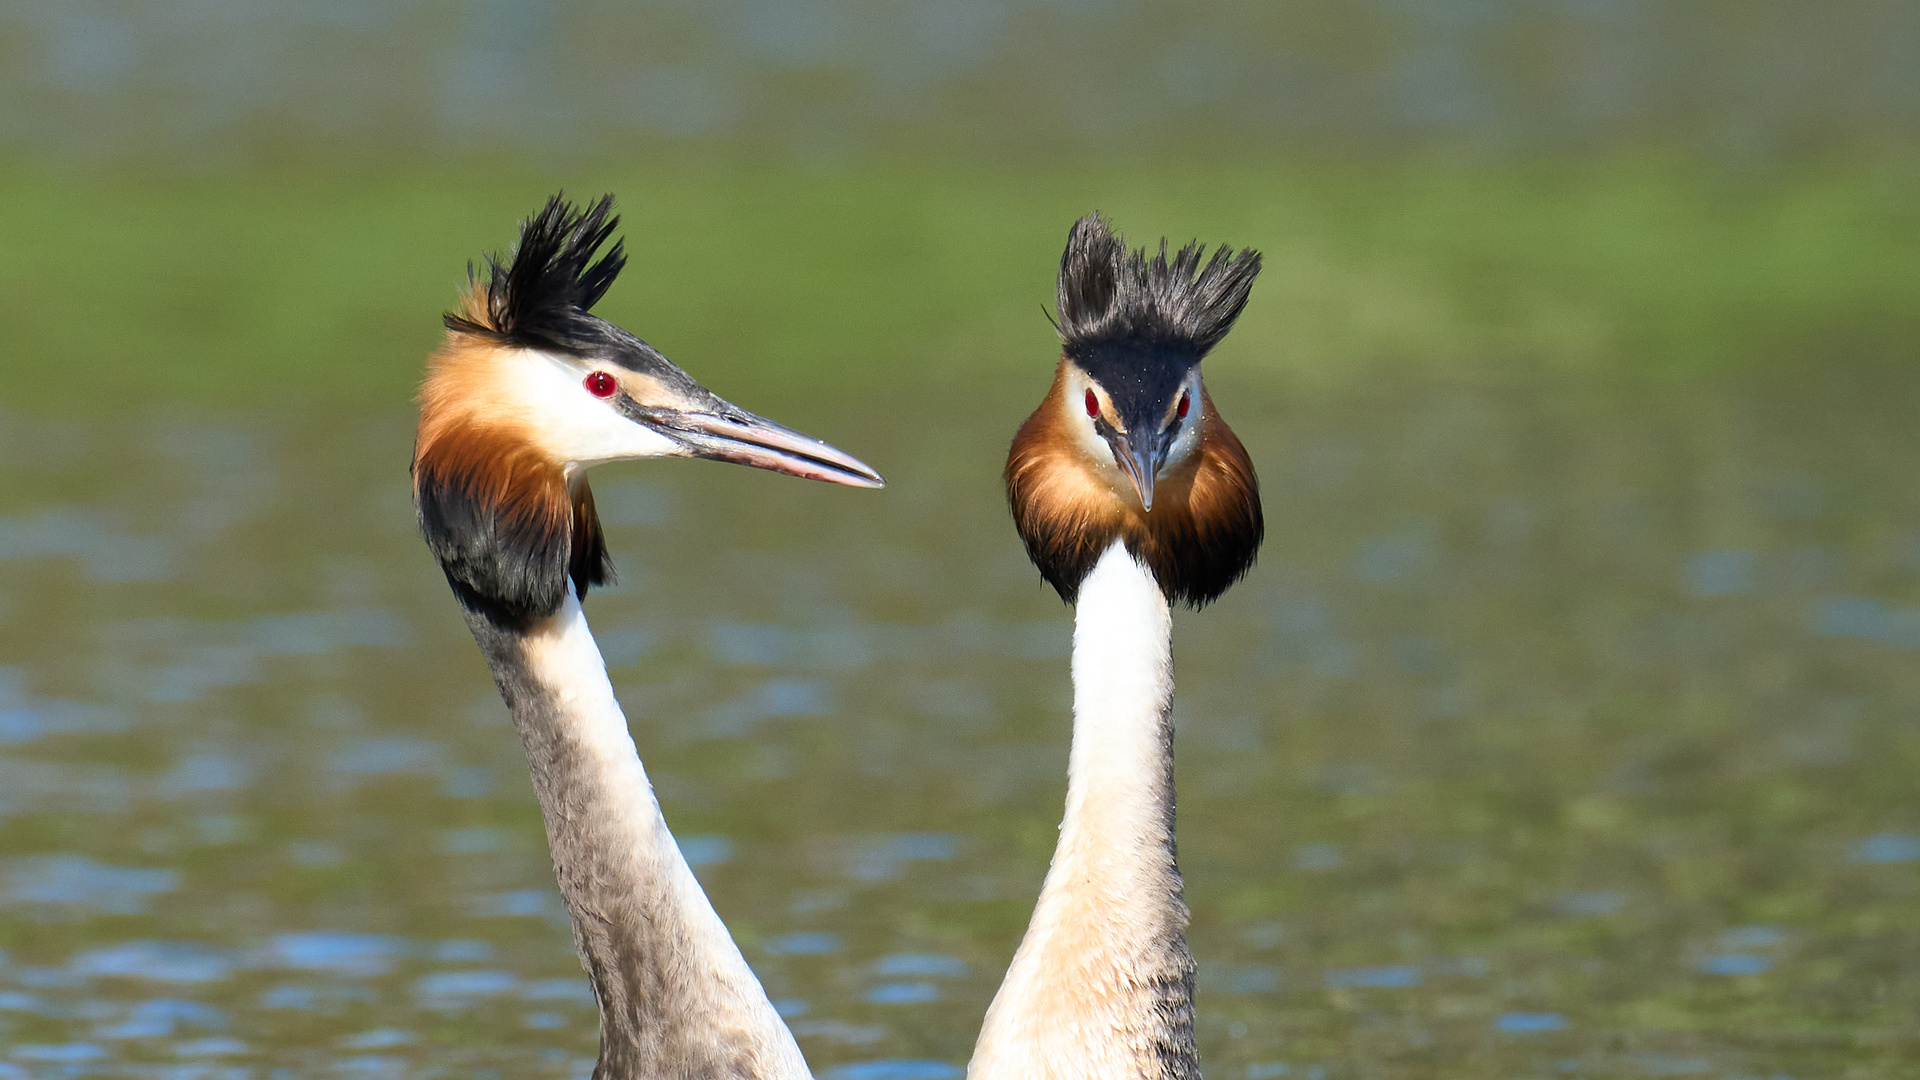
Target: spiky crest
1112, 296
542, 294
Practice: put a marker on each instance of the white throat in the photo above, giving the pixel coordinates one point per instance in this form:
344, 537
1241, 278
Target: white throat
1102, 983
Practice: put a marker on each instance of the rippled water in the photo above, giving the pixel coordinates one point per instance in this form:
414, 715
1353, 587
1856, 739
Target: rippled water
1562, 729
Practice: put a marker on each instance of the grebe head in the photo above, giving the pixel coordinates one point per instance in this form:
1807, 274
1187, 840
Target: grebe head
530, 389
1128, 444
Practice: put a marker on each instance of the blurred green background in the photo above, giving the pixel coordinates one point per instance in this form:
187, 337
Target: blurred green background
237, 201
1566, 726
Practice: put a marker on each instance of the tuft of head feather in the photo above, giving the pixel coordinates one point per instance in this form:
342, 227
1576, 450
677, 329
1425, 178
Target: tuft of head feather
542, 294
1112, 296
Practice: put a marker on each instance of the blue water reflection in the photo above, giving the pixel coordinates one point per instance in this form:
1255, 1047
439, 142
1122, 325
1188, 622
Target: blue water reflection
71, 886
1530, 1023
1397, 977
706, 850
802, 943
1243, 979
164, 1018
1868, 619
1720, 573
903, 993
928, 964
362, 955
461, 989
1888, 848
1734, 964
211, 1047
157, 961
61, 1053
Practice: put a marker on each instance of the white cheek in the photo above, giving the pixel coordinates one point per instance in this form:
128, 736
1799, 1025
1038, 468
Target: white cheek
573, 425
1081, 425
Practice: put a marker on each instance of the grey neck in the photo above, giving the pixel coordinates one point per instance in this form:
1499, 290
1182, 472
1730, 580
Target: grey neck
676, 997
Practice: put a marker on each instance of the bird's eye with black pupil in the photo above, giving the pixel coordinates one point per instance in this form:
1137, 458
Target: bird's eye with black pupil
1093, 405
1185, 403
602, 385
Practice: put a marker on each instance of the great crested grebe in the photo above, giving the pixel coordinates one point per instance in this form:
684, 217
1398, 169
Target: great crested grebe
526, 393
1131, 494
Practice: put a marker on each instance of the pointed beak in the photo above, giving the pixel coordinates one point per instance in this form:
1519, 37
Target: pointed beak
725, 433
1141, 462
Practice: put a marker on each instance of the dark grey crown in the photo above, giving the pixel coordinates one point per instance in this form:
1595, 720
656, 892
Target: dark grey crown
1112, 296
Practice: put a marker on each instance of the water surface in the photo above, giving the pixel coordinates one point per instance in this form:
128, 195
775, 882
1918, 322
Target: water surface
1563, 729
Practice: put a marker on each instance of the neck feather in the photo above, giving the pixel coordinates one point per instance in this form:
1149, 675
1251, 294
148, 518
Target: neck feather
676, 997
1102, 984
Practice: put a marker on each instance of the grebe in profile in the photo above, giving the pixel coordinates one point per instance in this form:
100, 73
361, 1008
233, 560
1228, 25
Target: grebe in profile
1131, 494
529, 390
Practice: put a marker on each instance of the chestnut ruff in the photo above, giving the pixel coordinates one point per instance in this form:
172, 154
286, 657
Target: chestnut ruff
1202, 534
1138, 326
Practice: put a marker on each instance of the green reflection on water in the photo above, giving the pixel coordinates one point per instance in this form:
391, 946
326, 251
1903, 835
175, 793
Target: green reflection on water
1560, 727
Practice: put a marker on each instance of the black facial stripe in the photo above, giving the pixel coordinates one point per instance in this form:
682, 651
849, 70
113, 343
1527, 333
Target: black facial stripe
665, 422
624, 404
668, 422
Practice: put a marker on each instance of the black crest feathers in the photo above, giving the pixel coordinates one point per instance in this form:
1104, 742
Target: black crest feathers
544, 291
1112, 296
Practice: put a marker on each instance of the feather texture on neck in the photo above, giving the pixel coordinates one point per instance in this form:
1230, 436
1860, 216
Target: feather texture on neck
676, 997
1102, 984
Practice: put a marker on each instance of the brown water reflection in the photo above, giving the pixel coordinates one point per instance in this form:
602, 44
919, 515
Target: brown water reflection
1562, 729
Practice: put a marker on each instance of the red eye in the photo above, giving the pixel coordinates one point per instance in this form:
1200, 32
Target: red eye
1093, 405
1181, 412
601, 384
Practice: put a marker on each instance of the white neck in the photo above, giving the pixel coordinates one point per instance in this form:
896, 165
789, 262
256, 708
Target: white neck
1102, 985
676, 997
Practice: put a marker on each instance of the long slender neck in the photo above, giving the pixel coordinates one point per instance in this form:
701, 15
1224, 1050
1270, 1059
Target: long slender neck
1102, 985
676, 997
